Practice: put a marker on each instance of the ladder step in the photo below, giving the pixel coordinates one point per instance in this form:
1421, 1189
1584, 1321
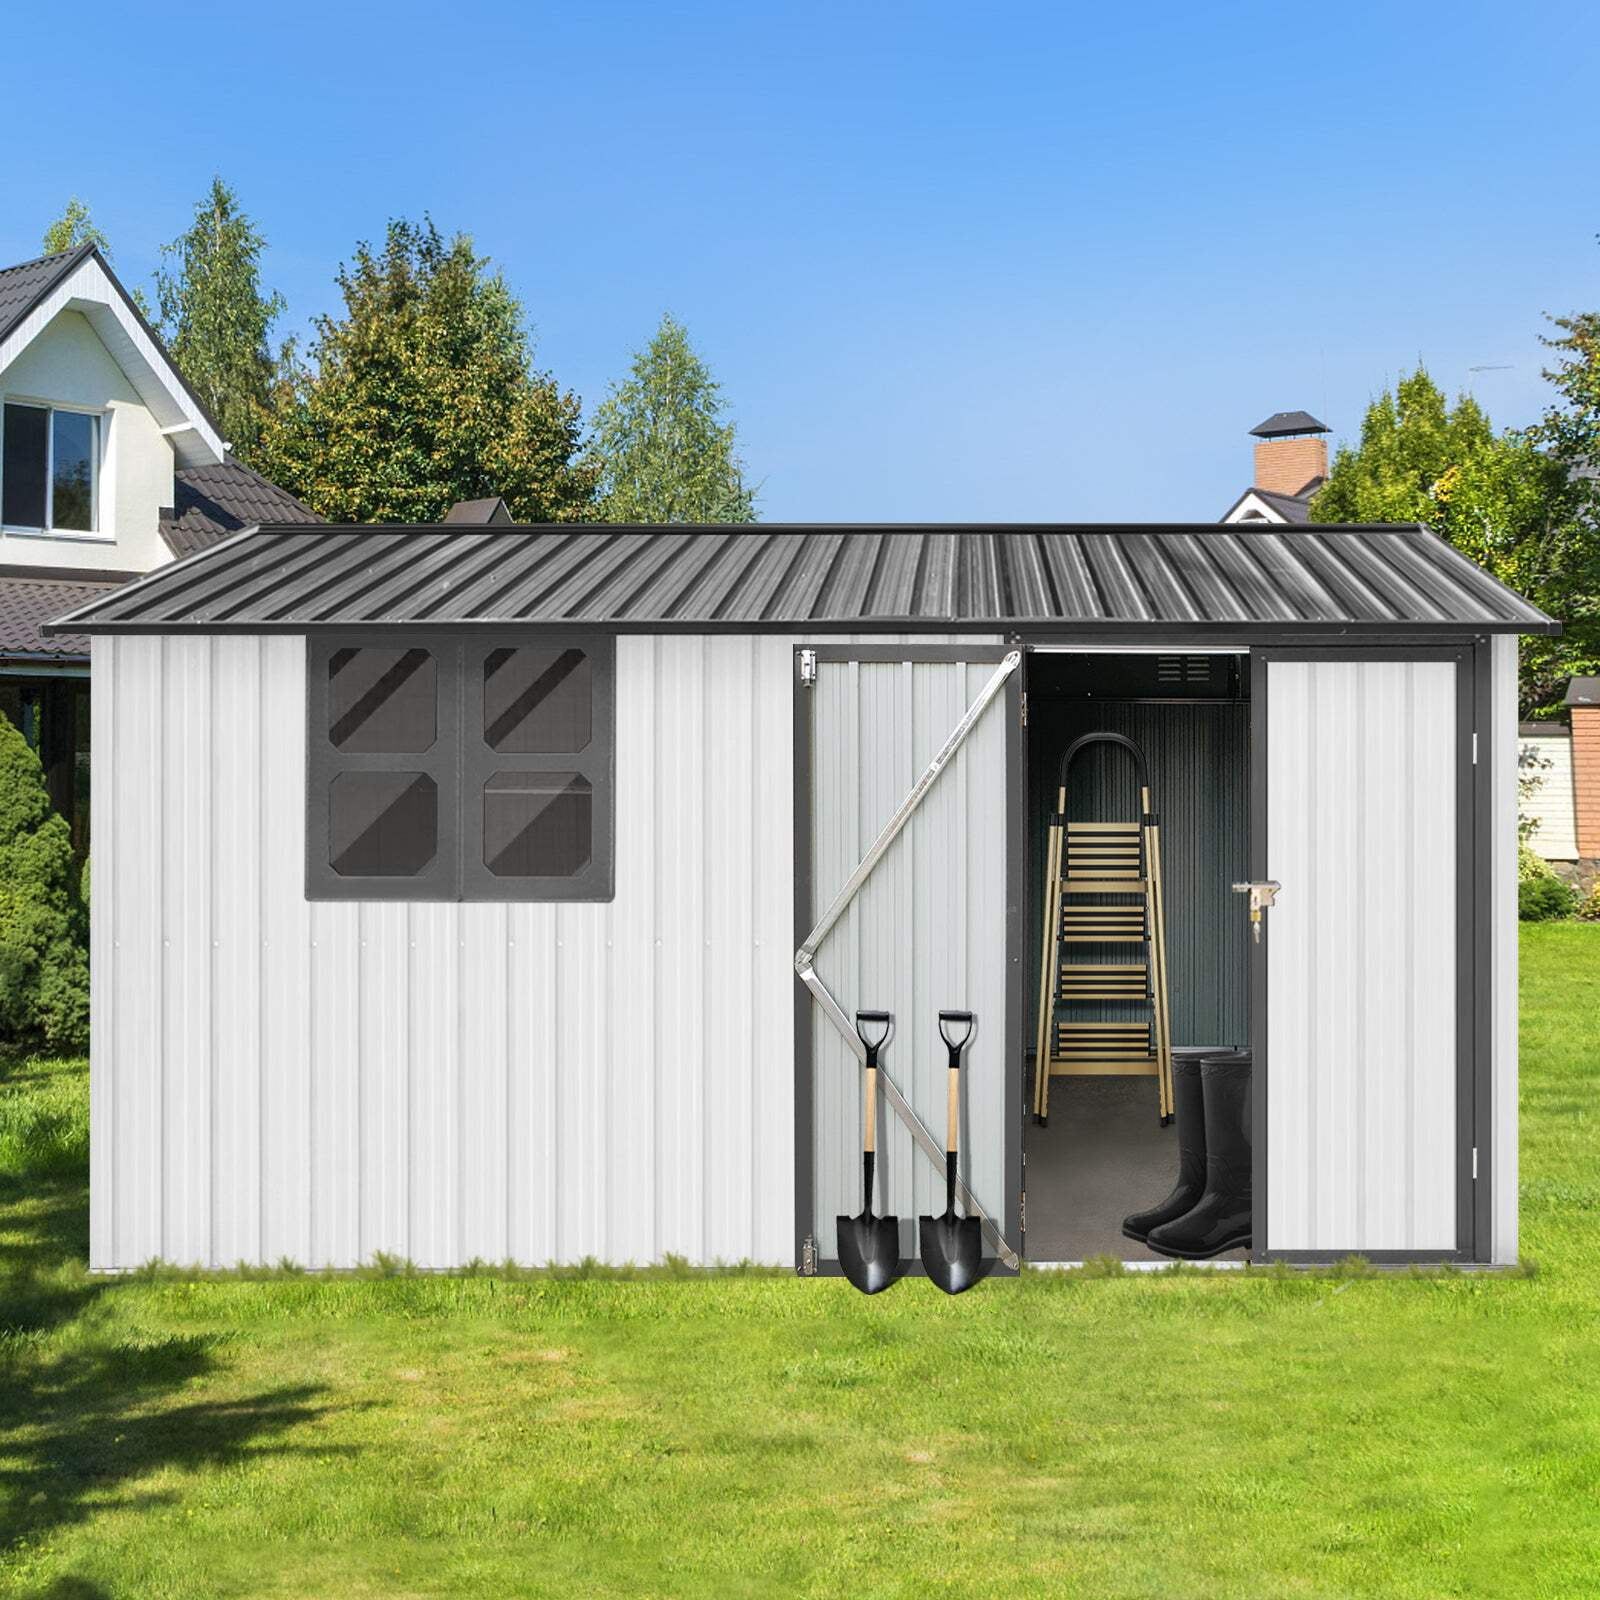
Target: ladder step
1118, 924
1102, 1039
1092, 982
1130, 1067
1134, 828
1102, 883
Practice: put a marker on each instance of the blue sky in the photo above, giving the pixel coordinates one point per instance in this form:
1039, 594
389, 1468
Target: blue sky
949, 261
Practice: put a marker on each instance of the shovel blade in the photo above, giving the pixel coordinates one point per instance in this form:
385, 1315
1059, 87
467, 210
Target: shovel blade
952, 1251
869, 1251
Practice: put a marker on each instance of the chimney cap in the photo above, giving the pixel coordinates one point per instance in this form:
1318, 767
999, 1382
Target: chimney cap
1283, 423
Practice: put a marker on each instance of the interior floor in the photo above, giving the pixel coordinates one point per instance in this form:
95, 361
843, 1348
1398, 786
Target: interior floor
1103, 1155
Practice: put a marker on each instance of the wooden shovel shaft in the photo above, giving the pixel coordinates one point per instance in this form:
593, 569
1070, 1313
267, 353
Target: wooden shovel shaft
871, 1143
953, 1111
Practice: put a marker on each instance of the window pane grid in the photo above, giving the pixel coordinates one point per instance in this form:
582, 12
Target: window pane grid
460, 768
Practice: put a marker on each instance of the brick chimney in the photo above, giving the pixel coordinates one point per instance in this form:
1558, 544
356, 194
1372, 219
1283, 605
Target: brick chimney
1583, 702
1291, 453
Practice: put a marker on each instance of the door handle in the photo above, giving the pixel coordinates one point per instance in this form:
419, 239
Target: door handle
1263, 895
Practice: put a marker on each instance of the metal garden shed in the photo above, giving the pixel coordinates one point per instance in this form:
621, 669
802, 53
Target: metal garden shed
504, 892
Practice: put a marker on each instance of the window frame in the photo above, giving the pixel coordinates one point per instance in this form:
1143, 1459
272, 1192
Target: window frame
460, 762
48, 529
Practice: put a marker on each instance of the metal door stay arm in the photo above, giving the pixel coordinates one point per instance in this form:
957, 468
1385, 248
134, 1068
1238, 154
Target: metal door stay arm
805, 956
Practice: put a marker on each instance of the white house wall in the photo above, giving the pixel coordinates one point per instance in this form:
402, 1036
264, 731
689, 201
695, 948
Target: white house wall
66, 364
1552, 803
274, 1078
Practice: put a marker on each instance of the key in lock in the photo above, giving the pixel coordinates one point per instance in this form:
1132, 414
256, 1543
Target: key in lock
1263, 895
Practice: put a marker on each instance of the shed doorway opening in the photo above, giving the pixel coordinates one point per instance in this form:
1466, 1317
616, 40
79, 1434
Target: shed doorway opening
1105, 1152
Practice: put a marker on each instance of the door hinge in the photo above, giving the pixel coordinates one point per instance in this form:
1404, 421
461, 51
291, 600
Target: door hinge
808, 1257
1474, 1163
808, 667
1024, 708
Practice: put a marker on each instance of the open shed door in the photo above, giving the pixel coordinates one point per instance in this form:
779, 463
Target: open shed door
1362, 983
908, 883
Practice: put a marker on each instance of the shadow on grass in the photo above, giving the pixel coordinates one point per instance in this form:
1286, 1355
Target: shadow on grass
76, 1429
88, 1409
44, 1279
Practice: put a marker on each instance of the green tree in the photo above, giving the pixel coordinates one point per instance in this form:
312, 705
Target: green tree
44, 966
1504, 500
215, 318
1570, 430
664, 452
424, 393
74, 227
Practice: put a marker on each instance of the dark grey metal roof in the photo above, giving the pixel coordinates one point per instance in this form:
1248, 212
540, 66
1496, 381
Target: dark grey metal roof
1583, 692
1281, 423
691, 579
214, 502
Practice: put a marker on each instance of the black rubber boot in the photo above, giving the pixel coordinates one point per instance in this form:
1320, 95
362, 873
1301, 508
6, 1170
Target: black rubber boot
1190, 1110
1221, 1220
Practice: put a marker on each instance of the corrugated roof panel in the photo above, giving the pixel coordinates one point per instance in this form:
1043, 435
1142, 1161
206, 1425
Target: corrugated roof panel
1272, 569
693, 578
1351, 595
1213, 594
1122, 593
1160, 574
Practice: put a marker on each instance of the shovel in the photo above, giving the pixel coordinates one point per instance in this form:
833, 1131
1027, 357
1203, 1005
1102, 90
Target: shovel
952, 1246
869, 1246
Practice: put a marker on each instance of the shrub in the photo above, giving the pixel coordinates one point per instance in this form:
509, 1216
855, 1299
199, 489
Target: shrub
1545, 899
1589, 907
44, 962
1531, 865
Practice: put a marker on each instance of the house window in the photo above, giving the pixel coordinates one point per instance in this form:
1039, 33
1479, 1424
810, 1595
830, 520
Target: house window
49, 468
446, 767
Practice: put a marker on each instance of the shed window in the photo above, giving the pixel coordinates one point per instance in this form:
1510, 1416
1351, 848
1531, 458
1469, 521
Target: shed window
48, 468
460, 768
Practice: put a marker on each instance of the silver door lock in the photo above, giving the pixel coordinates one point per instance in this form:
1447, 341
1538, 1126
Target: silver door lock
1262, 897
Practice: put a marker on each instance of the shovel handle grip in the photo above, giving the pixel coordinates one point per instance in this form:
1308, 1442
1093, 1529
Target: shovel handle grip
873, 1029
955, 1028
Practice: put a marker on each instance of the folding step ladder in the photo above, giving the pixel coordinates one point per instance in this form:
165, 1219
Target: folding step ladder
1103, 889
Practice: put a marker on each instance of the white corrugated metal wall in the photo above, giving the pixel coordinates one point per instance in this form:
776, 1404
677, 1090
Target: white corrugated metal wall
274, 1078
926, 931
1361, 832
1552, 803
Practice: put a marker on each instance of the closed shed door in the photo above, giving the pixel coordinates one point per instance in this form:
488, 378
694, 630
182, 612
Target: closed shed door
1367, 956
927, 929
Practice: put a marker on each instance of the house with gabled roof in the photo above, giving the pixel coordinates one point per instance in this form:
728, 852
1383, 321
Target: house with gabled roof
109, 468
1291, 464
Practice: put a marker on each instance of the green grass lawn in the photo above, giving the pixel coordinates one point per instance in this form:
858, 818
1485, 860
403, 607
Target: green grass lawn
1186, 1435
